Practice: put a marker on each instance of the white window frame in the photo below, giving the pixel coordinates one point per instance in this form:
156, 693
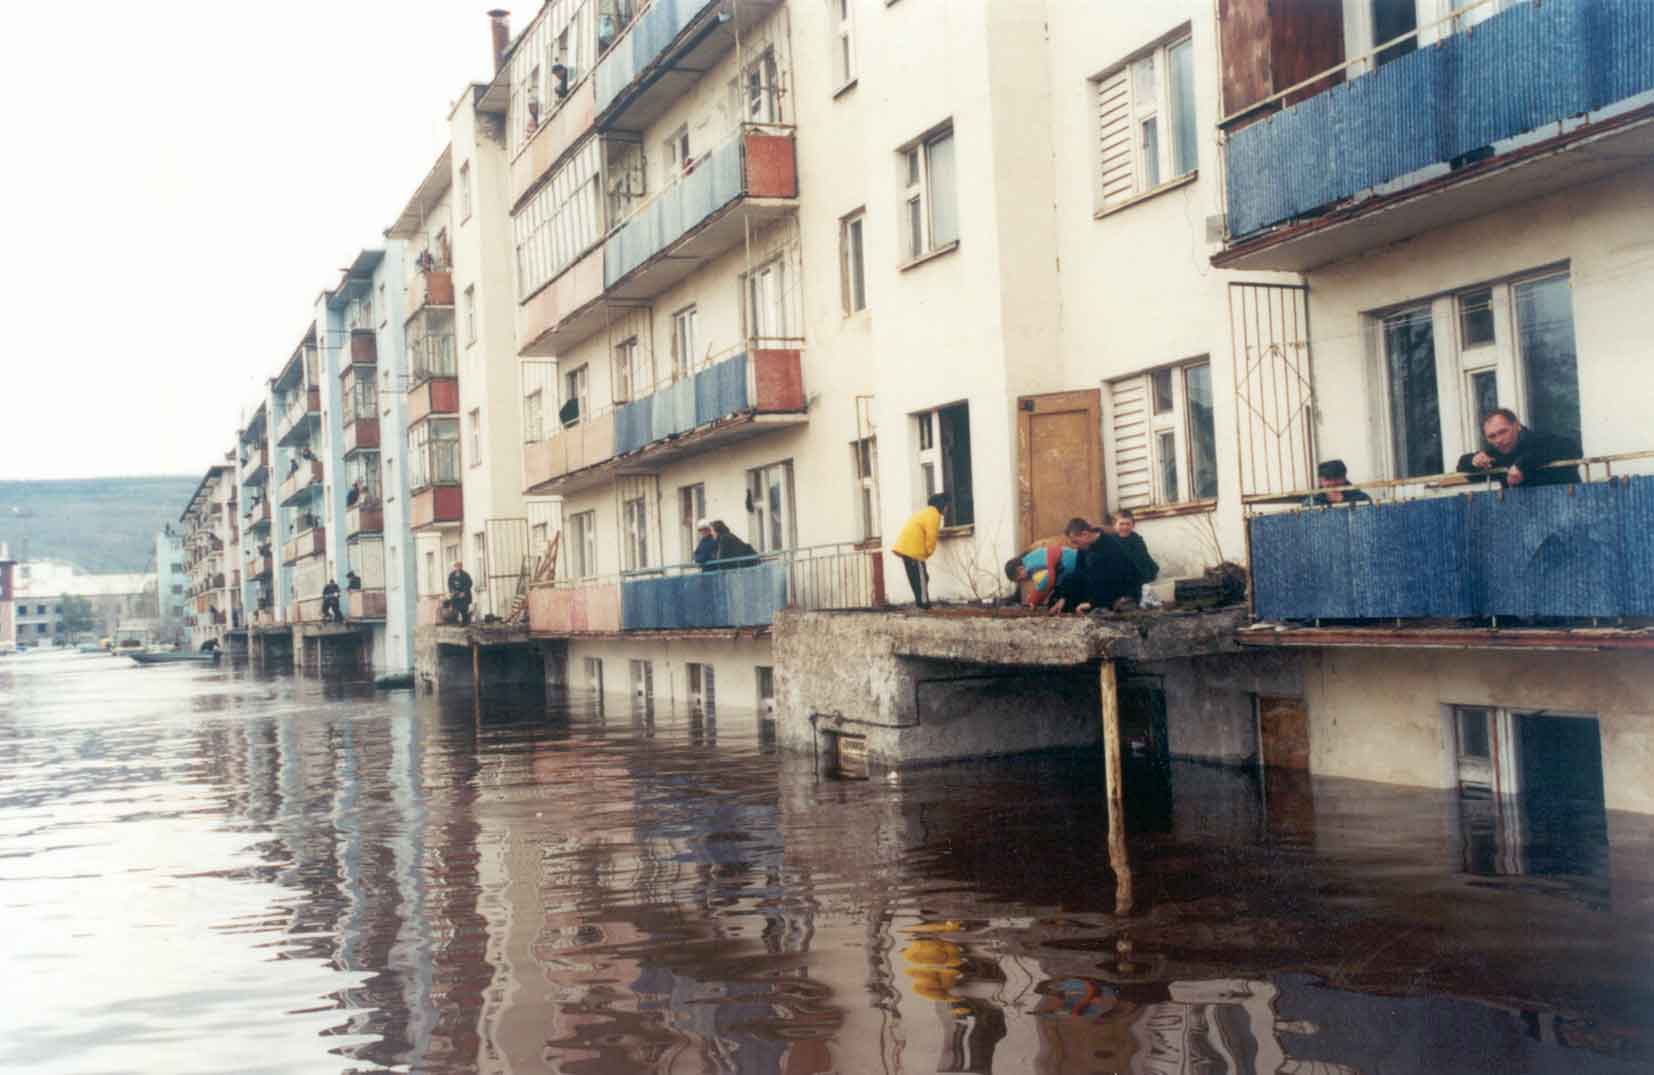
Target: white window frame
764, 689
765, 305
918, 210
473, 418
631, 370
470, 314
702, 687
685, 341
677, 155
842, 13
634, 530
1129, 99
465, 192
577, 385
534, 411
643, 680
761, 90
761, 519
852, 259
1141, 435
691, 509
930, 461
583, 544
593, 668
864, 463
1458, 363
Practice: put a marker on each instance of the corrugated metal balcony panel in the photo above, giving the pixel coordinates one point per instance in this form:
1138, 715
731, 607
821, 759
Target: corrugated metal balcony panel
1554, 551
739, 597
1519, 70
656, 28
715, 182
715, 392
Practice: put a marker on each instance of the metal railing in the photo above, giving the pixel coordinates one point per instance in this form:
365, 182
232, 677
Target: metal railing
819, 577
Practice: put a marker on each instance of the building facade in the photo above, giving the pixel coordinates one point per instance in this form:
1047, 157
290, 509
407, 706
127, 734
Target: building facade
172, 602
211, 538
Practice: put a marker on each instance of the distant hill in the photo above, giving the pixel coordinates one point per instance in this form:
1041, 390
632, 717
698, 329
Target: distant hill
97, 524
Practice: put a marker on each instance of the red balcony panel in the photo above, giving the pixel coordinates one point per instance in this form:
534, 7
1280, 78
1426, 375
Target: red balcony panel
439, 395
778, 377
592, 608
772, 168
364, 520
362, 434
433, 287
437, 504
364, 347
308, 543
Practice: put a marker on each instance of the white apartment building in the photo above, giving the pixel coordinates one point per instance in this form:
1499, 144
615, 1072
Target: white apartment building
211, 538
171, 584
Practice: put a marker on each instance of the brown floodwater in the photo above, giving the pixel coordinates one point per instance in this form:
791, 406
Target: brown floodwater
211, 870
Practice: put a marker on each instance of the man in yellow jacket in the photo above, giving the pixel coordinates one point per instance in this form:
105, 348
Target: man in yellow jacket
917, 543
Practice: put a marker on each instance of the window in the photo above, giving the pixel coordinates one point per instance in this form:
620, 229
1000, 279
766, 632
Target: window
582, 547
470, 315
1146, 130
1391, 19
643, 681
844, 42
852, 274
1165, 444
465, 192
703, 691
479, 559
676, 155
1448, 362
594, 673
685, 341
766, 690
770, 511
864, 457
930, 216
473, 423
634, 523
631, 371
433, 578
576, 390
561, 221
763, 90
765, 308
433, 453
945, 460
691, 509
533, 416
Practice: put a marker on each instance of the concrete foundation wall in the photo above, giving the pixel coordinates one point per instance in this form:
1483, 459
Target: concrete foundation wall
1210, 712
734, 664
1382, 714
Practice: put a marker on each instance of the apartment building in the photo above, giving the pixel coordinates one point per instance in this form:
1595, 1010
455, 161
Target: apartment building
1480, 254
257, 552
171, 582
8, 606
210, 537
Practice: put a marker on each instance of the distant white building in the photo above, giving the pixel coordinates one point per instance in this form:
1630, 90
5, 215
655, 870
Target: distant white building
171, 582
40, 587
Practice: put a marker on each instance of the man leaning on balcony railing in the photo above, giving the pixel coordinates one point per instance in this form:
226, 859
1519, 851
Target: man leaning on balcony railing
1522, 455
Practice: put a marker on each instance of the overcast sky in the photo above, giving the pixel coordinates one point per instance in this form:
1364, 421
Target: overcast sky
182, 179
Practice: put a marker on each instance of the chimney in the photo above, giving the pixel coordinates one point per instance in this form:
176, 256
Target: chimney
499, 23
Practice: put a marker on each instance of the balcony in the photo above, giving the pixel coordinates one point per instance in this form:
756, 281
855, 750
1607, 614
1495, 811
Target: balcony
296, 421
312, 542
300, 483
429, 611
305, 610
579, 608
1559, 551
666, 50
436, 505
364, 346
430, 287
365, 604
255, 464
259, 517
554, 137
361, 435
568, 450
366, 518
1459, 128
433, 395
261, 567
685, 597
669, 237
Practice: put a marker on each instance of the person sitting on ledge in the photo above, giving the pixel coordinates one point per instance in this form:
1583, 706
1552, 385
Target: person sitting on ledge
1331, 476
1035, 568
1523, 453
1105, 577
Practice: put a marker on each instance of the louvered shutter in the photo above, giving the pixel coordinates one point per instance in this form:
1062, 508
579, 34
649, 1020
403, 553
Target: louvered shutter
1117, 176
1129, 418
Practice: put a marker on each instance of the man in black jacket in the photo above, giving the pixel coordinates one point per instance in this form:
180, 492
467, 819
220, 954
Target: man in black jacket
1105, 575
330, 603
732, 551
459, 592
1523, 452
1125, 528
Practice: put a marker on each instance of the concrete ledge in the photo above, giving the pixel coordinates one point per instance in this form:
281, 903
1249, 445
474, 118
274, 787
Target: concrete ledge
330, 630
494, 634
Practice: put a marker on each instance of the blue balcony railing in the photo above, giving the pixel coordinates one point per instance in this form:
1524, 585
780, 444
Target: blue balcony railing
685, 597
717, 180
1532, 65
1581, 551
642, 45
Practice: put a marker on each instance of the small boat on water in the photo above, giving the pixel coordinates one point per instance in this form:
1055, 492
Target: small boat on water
173, 657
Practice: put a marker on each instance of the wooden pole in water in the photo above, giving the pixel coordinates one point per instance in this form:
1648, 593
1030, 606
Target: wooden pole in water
1118, 856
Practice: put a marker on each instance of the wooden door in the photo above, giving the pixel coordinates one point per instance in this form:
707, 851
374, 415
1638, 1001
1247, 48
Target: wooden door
1059, 462
1283, 732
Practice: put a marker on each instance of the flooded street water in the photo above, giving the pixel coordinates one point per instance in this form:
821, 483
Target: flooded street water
216, 871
